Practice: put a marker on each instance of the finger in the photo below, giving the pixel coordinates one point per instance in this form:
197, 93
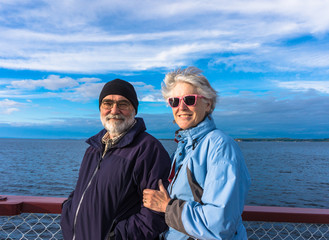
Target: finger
148, 191
161, 187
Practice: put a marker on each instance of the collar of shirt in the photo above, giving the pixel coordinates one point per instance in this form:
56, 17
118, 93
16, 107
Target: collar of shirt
110, 142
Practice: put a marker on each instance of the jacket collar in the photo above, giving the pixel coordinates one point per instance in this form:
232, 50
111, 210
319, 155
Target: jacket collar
96, 140
192, 135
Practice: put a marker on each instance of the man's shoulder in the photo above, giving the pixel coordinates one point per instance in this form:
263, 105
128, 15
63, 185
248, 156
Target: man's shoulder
95, 141
149, 142
148, 138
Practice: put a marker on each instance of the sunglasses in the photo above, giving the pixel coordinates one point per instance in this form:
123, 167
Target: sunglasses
189, 100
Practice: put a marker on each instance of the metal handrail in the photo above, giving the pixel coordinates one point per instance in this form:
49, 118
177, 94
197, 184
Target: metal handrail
285, 214
15, 205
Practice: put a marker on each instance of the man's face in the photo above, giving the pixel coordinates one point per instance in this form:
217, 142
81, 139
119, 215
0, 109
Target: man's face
117, 114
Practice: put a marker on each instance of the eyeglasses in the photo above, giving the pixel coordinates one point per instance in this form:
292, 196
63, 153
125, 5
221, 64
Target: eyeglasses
189, 100
109, 104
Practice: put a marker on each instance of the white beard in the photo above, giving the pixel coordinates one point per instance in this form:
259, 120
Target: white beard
115, 128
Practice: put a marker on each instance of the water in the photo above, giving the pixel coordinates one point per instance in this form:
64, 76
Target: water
290, 174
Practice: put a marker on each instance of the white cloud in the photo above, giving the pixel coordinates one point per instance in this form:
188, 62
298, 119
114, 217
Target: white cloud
147, 92
141, 86
7, 103
89, 90
116, 36
53, 82
9, 106
10, 110
151, 98
76, 90
321, 86
89, 80
84, 92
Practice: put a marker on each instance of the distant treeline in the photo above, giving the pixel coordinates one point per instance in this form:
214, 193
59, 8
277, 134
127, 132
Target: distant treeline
280, 140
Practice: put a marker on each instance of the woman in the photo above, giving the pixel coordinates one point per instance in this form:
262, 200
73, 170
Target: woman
205, 198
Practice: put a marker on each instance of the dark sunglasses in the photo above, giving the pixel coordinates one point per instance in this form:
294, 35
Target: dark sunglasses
189, 100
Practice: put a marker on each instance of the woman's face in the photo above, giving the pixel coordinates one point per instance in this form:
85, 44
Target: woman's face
188, 116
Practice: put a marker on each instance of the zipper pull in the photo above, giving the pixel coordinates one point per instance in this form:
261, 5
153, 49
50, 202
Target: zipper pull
194, 144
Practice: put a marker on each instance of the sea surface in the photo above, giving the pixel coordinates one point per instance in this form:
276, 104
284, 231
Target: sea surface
289, 174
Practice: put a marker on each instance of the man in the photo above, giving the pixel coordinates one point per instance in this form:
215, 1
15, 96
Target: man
121, 161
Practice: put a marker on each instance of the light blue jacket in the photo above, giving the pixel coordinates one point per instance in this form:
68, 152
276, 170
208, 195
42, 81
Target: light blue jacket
209, 187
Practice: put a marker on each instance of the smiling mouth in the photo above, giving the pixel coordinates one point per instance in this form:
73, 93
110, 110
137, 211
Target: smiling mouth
184, 115
114, 117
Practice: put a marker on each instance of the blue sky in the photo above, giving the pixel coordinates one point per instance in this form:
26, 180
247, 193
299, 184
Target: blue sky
268, 60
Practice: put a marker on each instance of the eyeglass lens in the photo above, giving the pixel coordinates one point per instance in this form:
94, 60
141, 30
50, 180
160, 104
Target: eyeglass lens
122, 105
188, 100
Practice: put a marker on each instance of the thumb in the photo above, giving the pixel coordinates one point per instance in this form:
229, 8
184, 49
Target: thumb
161, 187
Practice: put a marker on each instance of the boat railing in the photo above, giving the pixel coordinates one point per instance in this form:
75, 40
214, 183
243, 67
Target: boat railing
31, 217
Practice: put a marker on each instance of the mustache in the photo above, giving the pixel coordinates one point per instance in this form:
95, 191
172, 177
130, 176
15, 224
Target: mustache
116, 116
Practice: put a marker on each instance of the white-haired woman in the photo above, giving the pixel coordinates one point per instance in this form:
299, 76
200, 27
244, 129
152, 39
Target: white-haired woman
206, 196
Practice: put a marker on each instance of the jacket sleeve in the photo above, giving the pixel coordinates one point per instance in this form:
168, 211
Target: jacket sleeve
224, 192
152, 164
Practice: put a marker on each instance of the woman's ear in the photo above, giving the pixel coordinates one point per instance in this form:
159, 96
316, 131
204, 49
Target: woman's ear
208, 106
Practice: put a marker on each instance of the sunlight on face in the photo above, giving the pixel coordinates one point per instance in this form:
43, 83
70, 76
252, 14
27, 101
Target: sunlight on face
117, 121
188, 116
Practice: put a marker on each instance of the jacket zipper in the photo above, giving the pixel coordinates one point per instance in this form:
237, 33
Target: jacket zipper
173, 181
82, 197
176, 174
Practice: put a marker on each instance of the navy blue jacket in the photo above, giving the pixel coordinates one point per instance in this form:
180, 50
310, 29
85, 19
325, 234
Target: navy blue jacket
107, 200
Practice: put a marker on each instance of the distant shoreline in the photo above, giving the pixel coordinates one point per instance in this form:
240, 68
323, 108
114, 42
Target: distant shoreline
280, 140
274, 139
236, 139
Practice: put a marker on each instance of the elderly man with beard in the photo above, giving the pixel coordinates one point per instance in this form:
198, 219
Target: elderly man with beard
121, 161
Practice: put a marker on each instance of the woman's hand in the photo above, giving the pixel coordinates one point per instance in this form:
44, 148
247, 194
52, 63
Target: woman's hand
156, 200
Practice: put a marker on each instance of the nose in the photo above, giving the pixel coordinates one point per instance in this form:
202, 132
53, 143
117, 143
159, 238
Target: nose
115, 109
182, 105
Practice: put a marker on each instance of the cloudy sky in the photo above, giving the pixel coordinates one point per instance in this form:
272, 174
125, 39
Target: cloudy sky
269, 61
